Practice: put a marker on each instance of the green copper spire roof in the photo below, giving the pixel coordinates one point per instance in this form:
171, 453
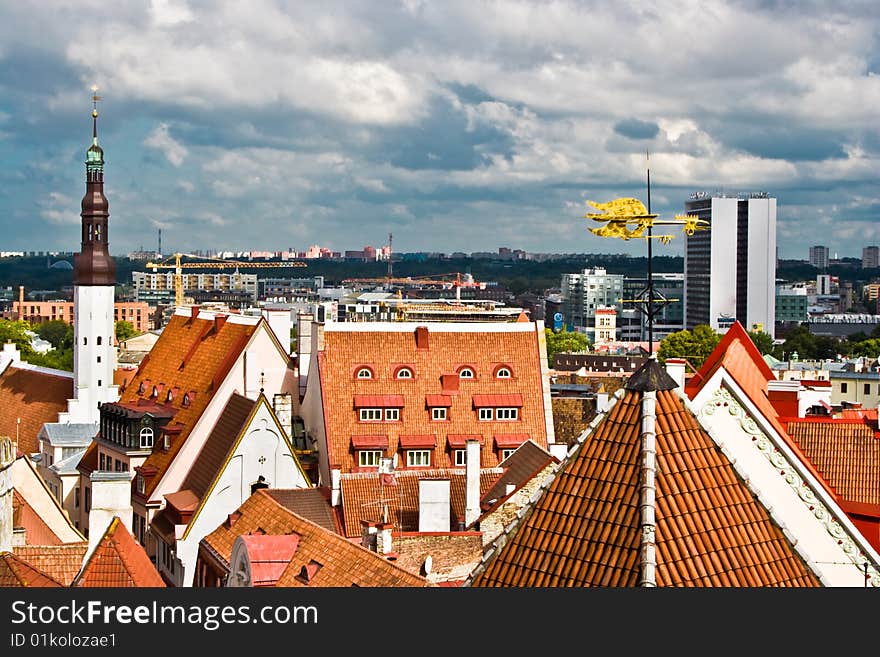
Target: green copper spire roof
95, 154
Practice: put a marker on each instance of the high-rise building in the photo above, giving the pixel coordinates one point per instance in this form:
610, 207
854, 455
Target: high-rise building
730, 268
819, 257
871, 257
583, 293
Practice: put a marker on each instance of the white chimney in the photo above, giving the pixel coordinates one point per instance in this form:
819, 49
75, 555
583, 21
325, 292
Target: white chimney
675, 368
601, 402
280, 323
303, 348
383, 538
472, 482
434, 515
282, 404
335, 481
7, 457
111, 497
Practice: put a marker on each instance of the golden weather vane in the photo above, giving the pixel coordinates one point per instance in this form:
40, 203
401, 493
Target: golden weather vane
95, 99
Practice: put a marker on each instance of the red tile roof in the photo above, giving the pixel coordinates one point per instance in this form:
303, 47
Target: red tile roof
118, 561
269, 556
329, 559
482, 348
519, 468
366, 442
34, 396
421, 441
193, 355
845, 452
459, 440
585, 527
484, 401
37, 532
507, 440
60, 562
375, 401
16, 572
364, 498
444, 401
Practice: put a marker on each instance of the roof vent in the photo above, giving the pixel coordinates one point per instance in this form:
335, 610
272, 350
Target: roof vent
232, 518
308, 572
421, 337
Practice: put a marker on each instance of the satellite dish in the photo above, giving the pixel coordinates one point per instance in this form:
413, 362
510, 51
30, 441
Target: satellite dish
428, 565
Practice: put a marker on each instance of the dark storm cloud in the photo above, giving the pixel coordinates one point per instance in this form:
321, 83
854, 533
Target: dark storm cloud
636, 129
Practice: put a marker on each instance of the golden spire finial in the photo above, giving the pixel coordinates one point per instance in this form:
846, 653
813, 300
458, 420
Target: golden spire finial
95, 99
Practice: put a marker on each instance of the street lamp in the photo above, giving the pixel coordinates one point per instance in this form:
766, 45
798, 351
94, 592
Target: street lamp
628, 218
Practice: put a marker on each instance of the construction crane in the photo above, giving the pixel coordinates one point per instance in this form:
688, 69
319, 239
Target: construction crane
215, 263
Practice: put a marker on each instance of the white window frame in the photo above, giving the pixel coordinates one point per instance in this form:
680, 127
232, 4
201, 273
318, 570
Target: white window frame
459, 457
369, 458
485, 414
507, 413
503, 373
438, 413
466, 373
364, 373
418, 458
506, 452
392, 415
370, 414
140, 483
404, 373
146, 438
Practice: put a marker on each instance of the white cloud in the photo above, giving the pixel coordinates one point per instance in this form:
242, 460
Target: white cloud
160, 139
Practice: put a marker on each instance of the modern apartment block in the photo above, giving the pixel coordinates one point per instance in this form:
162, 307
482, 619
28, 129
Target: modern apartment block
819, 257
871, 257
148, 284
730, 268
583, 293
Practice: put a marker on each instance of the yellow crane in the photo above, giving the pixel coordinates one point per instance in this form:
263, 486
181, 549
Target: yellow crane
214, 263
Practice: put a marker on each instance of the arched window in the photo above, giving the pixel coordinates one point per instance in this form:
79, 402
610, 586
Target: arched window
155, 392
502, 373
146, 437
404, 373
465, 373
99, 340
169, 396
365, 373
185, 400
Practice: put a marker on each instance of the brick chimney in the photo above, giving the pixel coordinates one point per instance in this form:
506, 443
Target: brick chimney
421, 337
282, 404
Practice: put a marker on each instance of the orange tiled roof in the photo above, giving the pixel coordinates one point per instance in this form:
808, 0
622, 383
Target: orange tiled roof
845, 452
16, 572
519, 468
118, 561
36, 397
60, 562
193, 355
361, 496
584, 530
341, 562
37, 532
447, 351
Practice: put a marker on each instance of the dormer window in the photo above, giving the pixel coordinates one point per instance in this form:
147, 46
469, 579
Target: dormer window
139, 483
166, 442
502, 373
364, 373
169, 396
404, 373
146, 437
466, 373
185, 402
155, 392
141, 388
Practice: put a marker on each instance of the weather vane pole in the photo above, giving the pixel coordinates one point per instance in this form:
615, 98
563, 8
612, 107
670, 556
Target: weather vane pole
628, 218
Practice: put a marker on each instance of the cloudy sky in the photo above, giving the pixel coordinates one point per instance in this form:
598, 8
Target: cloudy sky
455, 125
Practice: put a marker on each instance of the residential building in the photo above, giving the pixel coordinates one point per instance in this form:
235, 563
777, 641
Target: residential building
856, 388
61, 448
871, 257
819, 257
412, 393
138, 313
583, 293
149, 284
791, 303
730, 268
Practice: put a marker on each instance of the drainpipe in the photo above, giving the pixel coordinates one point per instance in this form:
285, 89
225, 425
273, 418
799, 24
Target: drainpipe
648, 490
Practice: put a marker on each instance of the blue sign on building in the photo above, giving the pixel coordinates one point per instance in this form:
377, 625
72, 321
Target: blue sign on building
557, 322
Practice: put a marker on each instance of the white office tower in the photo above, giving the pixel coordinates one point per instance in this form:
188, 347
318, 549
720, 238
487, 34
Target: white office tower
730, 268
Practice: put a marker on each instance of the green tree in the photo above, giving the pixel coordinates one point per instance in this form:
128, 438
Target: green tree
56, 332
124, 330
15, 331
564, 341
869, 348
762, 341
59, 359
695, 346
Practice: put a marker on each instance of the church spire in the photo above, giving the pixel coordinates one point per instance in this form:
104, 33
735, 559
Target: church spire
93, 265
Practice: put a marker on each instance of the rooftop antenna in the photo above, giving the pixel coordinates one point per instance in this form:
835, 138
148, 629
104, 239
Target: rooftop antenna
390, 276
160, 243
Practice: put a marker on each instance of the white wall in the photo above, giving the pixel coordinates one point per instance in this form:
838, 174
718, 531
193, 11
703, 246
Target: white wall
722, 282
761, 276
262, 439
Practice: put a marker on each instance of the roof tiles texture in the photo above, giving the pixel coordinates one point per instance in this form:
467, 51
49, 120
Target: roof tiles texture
364, 496
16, 572
37, 532
519, 468
584, 529
118, 561
329, 559
846, 454
33, 396
386, 351
192, 355
61, 562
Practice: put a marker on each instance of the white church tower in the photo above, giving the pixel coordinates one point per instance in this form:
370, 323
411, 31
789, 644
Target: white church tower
94, 280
